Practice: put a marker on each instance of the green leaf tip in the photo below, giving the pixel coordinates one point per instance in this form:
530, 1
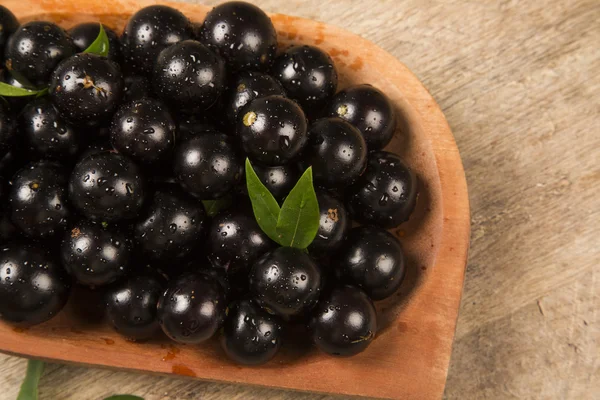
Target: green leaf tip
100, 45
7, 90
29, 387
265, 207
299, 218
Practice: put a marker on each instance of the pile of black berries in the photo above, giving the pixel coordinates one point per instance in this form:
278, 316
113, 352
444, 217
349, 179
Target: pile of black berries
126, 175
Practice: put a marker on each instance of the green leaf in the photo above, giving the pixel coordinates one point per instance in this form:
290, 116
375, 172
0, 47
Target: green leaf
265, 207
212, 207
100, 45
7, 90
29, 387
299, 218
124, 397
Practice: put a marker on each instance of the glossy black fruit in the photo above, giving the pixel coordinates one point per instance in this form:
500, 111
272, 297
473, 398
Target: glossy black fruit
38, 199
173, 225
8, 25
386, 194
144, 130
149, 31
308, 76
247, 86
242, 33
83, 36
191, 126
251, 336
136, 87
334, 224
87, 88
131, 306
369, 110
188, 76
372, 258
207, 166
46, 133
336, 151
34, 51
33, 287
95, 255
8, 129
286, 282
107, 186
192, 308
344, 323
279, 179
272, 130
235, 239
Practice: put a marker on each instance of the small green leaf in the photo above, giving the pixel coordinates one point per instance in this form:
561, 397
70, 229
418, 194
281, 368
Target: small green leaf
299, 218
265, 207
7, 90
124, 397
29, 387
100, 45
212, 207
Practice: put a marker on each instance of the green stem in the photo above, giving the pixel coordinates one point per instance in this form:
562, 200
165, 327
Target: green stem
29, 387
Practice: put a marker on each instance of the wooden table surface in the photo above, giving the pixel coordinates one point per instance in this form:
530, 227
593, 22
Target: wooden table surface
519, 82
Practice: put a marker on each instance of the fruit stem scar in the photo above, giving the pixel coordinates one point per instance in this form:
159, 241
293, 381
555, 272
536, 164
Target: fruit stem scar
249, 118
342, 110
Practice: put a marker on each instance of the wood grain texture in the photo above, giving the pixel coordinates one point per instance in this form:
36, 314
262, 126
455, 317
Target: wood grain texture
518, 82
416, 326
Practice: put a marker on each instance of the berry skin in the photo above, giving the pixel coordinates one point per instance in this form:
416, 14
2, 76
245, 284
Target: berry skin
308, 76
107, 186
33, 286
247, 86
386, 194
8, 26
208, 166
336, 151
369, 110
149, 31
144, 131
242, 33
334, 224
95, 255
86, 88
83, 36
38, 199
136, 87
251, 336
173, 225
279, 179
272, 130
8, 129
344, 322
192, 308
235, 240
188, 76
47, 133
372, 259
131, 306
285, 282
34, 51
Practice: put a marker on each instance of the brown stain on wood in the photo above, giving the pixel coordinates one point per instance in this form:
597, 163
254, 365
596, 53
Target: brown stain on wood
357, 64
171, 354
181, 369
108, 341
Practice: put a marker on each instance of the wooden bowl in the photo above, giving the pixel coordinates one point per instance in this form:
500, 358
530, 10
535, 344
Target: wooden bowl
409, 358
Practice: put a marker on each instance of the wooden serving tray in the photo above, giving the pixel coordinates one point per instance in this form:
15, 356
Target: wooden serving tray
410, 356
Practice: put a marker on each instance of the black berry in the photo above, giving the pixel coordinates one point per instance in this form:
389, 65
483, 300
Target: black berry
8, 129
247, 86
286, 282
8, 26
369, 110
279, 179
344, 323
242, 33
107, 186
385, 194
336, 151
87, 88
83, 36
334, 224
272, 130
